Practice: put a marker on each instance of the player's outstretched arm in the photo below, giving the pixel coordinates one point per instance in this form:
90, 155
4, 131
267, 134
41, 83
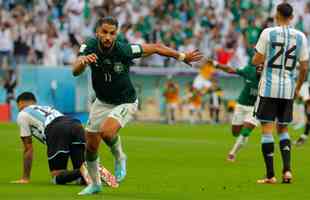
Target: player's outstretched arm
160, 49
260, 49
81, 63
27, 160
303, 70
224, 68
258, 59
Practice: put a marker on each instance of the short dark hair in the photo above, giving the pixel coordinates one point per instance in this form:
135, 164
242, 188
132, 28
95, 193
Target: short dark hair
26, 96
107, 20
285, 9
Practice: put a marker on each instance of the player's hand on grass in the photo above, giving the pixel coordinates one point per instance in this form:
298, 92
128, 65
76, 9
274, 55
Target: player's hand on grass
85, 60
21, 181
193, 56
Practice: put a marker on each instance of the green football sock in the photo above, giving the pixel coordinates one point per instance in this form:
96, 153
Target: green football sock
246, 132
91, 156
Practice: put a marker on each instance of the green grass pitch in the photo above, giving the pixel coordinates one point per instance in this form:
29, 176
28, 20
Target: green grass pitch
164, 162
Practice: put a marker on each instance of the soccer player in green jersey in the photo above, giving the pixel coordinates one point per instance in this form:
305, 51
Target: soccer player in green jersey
116, 99
243, 121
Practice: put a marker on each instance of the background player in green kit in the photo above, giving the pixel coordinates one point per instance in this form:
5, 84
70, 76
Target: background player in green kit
243, 121
116, 99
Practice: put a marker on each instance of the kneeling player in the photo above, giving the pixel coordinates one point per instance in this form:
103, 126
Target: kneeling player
243, 121
63, 136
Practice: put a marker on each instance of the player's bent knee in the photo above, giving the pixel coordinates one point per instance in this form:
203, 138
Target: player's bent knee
93, 141
267, 127
281, 128
109, 128
91, 147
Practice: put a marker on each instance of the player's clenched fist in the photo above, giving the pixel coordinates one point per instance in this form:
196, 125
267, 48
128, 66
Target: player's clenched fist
85, 60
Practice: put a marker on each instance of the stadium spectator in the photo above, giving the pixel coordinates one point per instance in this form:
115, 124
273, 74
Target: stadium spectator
171, 94
6, 44
9, 85
206, 25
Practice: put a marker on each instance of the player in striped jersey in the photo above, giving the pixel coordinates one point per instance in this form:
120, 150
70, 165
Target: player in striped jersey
63, 136
279, 48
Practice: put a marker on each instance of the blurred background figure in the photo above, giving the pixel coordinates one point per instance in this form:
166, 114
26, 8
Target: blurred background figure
10, 83
216, 94
194, 102
6, 45
171, 94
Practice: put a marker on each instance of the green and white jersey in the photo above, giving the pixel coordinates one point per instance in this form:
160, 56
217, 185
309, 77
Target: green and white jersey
110, 74
248, 94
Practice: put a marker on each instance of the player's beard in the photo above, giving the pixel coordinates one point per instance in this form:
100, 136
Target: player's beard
107, 45
103, 48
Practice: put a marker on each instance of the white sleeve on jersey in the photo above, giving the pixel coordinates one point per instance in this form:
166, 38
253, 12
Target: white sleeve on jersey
304, 54
22, 121
262, 42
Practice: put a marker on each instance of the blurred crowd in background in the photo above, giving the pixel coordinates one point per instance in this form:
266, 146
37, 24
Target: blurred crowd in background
48, 32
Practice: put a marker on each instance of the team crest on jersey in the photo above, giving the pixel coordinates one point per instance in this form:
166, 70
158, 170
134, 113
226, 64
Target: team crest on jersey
118, 67
82, 48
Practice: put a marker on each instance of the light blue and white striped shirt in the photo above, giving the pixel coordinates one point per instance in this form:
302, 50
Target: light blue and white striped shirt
34, 119
282, 47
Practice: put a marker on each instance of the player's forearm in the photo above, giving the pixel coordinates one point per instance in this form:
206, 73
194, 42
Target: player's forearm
226, 68
78, 67
302, 74
168, 52
258, 59
150, 49
28, 156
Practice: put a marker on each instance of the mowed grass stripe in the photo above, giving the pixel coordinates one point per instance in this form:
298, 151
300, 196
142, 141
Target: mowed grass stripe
164, 162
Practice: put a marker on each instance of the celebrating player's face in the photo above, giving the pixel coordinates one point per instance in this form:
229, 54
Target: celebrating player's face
106, 34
